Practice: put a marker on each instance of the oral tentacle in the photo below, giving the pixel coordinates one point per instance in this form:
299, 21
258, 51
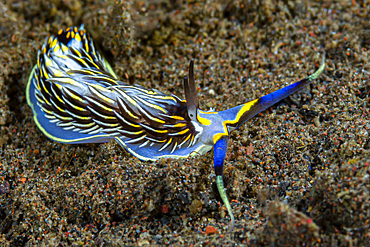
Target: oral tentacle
236, 116
220, 150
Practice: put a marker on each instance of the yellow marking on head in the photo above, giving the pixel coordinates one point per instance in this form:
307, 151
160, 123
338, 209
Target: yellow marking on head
218, 137
75, 29
68, 34
246, 107
72, 34
78, 37
60, 31
68, 29
203, 121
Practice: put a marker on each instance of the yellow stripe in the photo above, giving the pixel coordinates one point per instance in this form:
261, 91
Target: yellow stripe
241, 112
56, 48
161, 131
60, 109
66, 80
76, 107
64, 48
78, 52
57, 96
187, 138
102, 107
54, 43
43, 86
152, 105
179, 125
56, 72
32, 74
102, 96
183, 131
128, 98
48, 62
72, 95
80, 59
177, 117
127, 110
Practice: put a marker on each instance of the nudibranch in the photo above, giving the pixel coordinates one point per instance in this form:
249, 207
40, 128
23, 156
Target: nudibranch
76, 98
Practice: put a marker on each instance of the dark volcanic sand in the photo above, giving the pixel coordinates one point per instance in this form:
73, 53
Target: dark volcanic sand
297, 174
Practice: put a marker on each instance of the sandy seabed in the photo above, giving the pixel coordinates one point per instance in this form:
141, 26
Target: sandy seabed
296, 174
